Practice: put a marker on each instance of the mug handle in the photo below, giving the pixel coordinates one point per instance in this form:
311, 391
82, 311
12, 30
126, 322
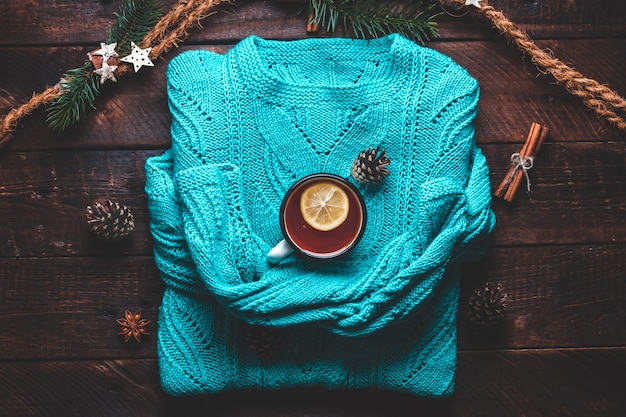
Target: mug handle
279, 252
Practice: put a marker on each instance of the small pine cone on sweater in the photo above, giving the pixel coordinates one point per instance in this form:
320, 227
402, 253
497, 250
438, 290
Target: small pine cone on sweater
264, 341
487, 305
370, 167
110, 220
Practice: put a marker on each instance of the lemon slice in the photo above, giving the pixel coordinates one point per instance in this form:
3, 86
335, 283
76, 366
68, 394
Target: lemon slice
324, 205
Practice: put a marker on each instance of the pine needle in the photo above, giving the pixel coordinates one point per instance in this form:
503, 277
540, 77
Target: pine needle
374, 18
134, 20
80, 87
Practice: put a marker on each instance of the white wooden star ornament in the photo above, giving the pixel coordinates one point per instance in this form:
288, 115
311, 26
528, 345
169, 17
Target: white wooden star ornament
138, 57
475, 3
107, 72
107, 51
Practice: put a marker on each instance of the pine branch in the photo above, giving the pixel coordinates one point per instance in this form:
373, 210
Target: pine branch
81, 86
373, 18
134, 20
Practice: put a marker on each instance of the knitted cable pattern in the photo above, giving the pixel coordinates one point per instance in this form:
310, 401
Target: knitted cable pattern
248, 124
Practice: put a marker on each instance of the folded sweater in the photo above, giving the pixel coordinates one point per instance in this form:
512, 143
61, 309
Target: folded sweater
248, 124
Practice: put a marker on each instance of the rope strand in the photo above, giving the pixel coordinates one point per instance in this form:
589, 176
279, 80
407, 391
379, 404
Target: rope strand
604, 101
9, 123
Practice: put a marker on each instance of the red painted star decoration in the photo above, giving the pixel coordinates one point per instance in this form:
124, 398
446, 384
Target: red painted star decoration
133, 325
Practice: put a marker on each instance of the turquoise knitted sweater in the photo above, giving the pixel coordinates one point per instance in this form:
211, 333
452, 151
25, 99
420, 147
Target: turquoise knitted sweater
245, 126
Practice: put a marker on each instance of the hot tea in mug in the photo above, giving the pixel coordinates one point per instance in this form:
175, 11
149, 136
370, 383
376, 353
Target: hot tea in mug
321, 216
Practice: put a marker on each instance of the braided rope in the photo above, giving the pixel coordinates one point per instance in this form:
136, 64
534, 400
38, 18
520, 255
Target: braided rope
9, 122
604, 101
168, 32
178, 22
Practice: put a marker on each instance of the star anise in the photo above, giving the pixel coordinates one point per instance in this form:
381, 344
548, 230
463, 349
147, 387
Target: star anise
133, 325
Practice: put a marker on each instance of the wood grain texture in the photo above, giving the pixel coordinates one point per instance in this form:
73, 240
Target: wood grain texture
554, 382
569, 182
80, 388
65, 22
66, 308
43, 198
559, 252
559, 296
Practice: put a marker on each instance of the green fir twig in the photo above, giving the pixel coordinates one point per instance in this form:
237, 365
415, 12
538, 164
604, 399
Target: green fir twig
81, 86
373, 18
134, 20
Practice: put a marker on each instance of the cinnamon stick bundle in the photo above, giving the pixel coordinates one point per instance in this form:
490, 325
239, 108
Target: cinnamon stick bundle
521, 162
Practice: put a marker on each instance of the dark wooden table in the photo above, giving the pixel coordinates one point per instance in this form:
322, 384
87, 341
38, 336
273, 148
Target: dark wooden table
559, 252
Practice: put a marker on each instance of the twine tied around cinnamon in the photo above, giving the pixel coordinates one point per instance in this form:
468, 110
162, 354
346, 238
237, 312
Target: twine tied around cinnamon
522, 162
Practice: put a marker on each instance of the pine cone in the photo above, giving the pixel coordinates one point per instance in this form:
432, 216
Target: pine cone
264, 341
110, 220
487, 305
369, 167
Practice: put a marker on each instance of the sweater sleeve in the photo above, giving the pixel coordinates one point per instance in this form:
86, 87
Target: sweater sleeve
347, 298
171, 252
460, 163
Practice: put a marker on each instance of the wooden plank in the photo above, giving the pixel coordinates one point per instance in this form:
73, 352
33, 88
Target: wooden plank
67, 307
567, 382
514, 93
71, 21
60, 308
557, 297
43, 200
559, 382
80, 388
133, 113
576, 197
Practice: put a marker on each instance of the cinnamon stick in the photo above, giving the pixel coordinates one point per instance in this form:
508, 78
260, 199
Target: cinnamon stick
528, 151
513, 179
510, 175
543, 134
311, 26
